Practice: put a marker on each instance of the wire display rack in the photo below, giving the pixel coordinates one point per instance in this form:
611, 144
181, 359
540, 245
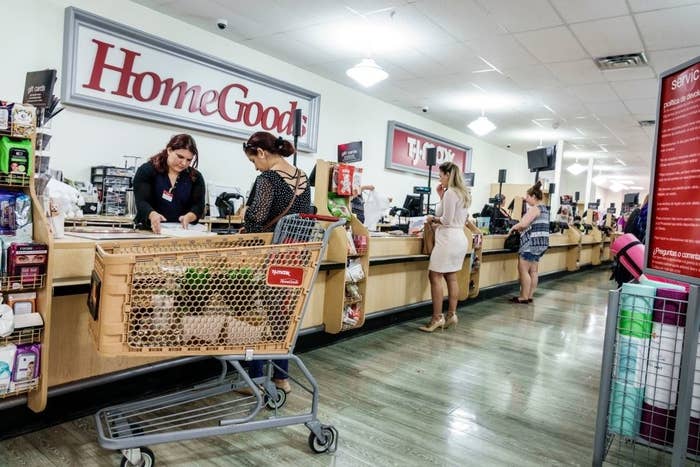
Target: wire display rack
649, 396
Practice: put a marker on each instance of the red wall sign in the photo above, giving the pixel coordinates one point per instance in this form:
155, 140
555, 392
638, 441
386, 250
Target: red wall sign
674, 211
406, 148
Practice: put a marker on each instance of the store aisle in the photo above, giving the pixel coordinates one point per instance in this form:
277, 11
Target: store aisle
511, 385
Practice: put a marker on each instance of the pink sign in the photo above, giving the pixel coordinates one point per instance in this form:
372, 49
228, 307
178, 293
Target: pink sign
407, 147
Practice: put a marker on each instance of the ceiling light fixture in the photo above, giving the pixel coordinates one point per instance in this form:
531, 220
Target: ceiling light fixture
482, 125
616, 187
576, 168
367, 73
599, 179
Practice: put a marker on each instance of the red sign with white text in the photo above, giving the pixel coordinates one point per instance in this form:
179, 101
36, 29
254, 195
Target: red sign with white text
285, 276
407, 150
674, 235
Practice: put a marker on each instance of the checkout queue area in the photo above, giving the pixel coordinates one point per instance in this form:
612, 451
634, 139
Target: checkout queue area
148, 187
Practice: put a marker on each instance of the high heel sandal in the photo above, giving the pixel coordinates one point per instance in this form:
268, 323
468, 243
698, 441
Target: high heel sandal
451, 320
433, 325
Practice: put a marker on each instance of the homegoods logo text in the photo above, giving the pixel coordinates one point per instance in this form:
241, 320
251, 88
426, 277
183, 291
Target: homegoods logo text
231, 102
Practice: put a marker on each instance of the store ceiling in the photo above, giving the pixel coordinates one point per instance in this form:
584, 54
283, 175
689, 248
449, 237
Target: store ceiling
529, 61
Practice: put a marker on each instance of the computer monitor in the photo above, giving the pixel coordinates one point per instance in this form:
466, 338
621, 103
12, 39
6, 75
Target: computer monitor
542, 159
631, 198
414, 205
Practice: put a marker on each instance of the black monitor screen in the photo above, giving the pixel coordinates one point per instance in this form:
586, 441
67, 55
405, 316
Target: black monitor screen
631, 198
536, 159
414, 205
541, 159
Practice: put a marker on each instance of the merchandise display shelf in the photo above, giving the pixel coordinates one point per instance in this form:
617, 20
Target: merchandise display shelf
18, 283
14, 180
23, 336
26, 386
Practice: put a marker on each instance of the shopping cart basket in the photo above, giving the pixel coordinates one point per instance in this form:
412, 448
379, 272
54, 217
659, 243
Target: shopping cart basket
230, 300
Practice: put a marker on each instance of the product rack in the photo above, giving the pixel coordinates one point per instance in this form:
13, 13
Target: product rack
335, 298
112, 183
36, 389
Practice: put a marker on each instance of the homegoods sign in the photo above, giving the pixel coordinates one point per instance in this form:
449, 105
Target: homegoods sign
114, 68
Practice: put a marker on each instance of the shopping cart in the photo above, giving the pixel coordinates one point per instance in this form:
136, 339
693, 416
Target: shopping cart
237, 303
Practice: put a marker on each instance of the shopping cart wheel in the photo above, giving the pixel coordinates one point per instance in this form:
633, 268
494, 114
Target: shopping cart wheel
277, 400
330, 434
148, 459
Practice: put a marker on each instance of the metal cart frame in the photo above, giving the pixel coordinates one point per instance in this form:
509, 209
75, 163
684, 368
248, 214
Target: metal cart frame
185, 414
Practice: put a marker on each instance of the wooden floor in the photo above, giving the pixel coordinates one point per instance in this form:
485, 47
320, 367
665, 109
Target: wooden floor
511, 385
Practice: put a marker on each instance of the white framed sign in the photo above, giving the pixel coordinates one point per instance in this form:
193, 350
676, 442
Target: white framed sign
114, 68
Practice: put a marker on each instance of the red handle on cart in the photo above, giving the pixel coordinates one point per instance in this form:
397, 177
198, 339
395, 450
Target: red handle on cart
319, 217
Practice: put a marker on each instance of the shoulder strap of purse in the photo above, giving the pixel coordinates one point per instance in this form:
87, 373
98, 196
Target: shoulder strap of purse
283, 213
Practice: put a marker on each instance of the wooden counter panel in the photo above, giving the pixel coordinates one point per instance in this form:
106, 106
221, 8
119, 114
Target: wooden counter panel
395, 246
503, 268
586, 256
314, 309
394, 285
73, 354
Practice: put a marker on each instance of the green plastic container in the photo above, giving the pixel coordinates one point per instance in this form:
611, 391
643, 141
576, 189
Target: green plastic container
16, 156
636, 306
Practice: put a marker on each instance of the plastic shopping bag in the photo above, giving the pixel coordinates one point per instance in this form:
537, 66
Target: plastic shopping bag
375, 206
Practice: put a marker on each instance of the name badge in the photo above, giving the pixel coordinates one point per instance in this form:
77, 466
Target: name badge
167, 196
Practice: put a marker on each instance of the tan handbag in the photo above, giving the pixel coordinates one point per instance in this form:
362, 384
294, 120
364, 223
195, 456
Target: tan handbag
428, 238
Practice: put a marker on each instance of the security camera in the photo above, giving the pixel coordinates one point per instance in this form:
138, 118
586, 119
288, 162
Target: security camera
507, 146
222, 23
425, 109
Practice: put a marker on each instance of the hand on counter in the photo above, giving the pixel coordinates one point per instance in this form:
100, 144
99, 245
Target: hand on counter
155, 219
187, 219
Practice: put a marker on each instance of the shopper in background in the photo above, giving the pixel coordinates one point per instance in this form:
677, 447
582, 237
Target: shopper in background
447, 257
169, 188
564, 215
279, 190
358, 203
534, 241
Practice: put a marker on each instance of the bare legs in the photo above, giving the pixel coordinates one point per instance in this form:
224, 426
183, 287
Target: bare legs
437, 296
436, 293
533, 278
527, 271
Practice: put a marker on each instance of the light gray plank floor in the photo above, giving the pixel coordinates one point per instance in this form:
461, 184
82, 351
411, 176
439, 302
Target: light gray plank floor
511, 385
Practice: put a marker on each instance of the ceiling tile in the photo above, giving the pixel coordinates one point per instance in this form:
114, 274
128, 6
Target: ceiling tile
532, 76
626, 74
517, 16
672, 28
580, 72
638, 89
574, 11
416, 28
416, 63
663, 60
594, 93
646, 5
456, 58
287, 49
463, 19
609, 108
641, 106
610, 36
502, 52
552, 45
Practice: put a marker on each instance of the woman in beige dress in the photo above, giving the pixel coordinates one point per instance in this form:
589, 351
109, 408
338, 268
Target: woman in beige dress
447, 257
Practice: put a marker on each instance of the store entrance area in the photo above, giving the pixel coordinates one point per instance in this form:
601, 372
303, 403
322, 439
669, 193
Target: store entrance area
511, 384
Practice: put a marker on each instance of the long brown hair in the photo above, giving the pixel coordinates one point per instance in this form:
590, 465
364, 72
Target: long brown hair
181, 141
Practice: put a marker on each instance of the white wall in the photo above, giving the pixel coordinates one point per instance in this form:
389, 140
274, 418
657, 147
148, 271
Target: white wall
83, 138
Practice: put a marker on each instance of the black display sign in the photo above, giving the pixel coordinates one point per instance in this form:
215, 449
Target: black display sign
469, 178
592, 205
38, 88
350, 152
611, 210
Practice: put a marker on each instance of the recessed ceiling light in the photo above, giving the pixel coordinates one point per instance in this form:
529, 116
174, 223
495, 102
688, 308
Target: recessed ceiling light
576, 168
482, 126
367, 73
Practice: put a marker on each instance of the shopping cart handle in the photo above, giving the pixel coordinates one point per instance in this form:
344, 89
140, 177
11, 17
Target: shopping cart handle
319, 217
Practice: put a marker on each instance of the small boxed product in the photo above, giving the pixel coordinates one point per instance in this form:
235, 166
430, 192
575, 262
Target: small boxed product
27, 261
343, 175
7, 362
22, 303
22, 120
15, 155
26, 366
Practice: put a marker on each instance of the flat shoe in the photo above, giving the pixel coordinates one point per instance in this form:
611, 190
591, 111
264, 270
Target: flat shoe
517, 300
